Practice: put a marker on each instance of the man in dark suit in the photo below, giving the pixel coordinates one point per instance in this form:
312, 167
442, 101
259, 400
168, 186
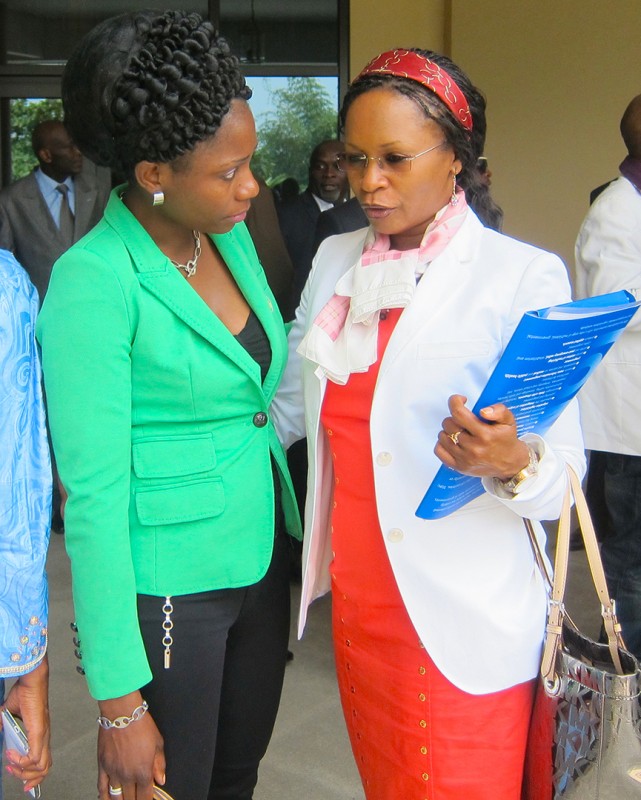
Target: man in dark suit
262, 223
43, 214
327, 188
341, 219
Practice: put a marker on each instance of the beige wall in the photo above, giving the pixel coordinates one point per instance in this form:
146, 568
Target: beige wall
378, 25
557, 74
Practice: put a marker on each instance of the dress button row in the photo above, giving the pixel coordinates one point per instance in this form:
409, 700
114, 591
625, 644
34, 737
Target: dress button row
260, 419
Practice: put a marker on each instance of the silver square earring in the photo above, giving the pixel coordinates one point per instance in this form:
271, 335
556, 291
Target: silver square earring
159, 198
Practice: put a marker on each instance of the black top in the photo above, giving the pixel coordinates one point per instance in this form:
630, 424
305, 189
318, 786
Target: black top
254, 339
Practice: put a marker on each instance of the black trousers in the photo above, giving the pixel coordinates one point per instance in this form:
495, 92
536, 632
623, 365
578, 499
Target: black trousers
216, 705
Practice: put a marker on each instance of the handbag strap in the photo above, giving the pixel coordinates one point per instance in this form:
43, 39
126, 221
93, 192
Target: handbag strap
556, 610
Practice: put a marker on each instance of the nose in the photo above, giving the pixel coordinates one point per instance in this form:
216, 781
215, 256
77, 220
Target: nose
248, 188
373, 176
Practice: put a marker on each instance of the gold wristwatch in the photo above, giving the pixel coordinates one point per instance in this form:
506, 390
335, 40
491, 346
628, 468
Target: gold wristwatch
523, 477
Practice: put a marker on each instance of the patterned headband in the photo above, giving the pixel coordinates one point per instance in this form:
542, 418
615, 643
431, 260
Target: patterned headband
407, 64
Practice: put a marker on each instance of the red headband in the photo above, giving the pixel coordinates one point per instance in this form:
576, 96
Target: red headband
407, 64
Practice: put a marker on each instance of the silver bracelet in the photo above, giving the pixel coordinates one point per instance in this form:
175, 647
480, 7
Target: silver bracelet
124, 722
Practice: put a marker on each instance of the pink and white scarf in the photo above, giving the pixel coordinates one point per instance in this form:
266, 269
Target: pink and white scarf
343, 337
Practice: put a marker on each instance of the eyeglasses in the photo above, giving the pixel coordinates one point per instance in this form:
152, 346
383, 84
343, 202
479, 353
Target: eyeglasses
324, 166
390, 162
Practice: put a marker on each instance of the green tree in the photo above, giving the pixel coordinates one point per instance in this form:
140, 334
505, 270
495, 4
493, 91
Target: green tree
302, 116
25, 115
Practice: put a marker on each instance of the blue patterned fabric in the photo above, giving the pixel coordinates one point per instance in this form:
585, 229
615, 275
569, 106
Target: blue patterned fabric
25, 478
1, 733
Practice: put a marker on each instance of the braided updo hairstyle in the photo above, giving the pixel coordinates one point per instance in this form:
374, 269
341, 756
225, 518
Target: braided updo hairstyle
467, 146
148, 86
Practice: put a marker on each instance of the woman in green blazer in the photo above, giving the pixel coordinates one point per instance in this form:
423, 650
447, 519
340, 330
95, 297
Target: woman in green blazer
163, 347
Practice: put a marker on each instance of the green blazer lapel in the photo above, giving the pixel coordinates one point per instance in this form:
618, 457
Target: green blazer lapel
157, 274
237, 250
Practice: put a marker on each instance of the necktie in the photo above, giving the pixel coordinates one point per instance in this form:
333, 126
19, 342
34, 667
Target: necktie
66, 217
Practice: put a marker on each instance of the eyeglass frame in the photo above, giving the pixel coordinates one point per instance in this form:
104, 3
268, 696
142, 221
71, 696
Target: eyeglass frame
384, 167
324, 166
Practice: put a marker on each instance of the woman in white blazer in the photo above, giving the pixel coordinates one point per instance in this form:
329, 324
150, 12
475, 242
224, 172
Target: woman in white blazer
437, 624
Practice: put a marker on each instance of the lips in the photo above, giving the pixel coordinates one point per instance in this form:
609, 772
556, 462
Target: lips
377, 212
240, 217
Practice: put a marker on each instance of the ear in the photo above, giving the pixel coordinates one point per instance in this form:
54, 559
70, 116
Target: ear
44, 155
149, 176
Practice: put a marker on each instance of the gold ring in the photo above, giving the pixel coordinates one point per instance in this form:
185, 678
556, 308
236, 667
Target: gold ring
115, 791
455, 436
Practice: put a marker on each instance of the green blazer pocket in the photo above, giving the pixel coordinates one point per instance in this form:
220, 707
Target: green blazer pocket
179, 503
174, 456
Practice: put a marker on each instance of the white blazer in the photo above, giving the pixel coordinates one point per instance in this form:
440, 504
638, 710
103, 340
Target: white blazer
608, 258
469, 581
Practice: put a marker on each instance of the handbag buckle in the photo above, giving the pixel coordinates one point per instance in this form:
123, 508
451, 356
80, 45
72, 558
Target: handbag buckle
552, 687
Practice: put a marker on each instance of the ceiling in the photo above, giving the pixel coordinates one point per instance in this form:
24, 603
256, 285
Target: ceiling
230, 9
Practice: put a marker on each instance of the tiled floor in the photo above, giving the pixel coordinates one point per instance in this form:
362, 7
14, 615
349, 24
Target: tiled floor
309, 757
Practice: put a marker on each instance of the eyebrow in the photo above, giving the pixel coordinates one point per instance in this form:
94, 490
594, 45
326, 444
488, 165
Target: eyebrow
239, 161
395, 143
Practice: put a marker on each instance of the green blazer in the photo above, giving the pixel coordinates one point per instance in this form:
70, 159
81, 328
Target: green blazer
162, 435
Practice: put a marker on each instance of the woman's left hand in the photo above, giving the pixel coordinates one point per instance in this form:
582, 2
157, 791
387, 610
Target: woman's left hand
28, 699
484, 448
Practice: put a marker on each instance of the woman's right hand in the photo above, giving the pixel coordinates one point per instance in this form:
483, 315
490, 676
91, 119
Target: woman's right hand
132, 758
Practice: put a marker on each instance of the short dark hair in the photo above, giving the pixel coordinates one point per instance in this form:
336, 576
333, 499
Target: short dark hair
467, 146
631, 127
41, 134
148, 86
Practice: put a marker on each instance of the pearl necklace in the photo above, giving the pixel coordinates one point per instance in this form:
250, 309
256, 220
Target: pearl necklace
192, 264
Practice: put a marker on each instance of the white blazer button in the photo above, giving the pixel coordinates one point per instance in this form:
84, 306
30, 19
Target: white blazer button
395, 535
383, 459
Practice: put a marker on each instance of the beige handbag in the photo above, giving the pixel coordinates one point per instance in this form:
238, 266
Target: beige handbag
585, 733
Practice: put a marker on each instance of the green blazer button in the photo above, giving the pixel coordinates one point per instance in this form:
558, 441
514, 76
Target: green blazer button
260, 419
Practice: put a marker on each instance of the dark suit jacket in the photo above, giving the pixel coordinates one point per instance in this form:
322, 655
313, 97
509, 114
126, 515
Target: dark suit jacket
341, 219
29, 231
297, 220
262, 224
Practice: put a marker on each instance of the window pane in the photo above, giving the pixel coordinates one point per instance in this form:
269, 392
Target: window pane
293, 114
25, 114
46, 31
277, 32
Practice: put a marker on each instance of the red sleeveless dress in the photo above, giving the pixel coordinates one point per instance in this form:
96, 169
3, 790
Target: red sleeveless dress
414, 735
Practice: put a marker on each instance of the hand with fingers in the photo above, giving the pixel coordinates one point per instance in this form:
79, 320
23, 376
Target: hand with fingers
130, 750
28, 699
485, 447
